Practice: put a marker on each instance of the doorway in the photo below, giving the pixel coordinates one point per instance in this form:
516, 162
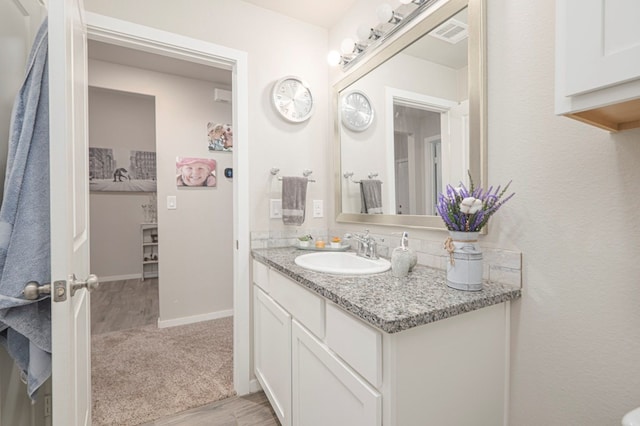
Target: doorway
419, 138
199, 203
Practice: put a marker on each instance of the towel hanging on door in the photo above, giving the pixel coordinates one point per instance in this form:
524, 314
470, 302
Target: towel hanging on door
25, 249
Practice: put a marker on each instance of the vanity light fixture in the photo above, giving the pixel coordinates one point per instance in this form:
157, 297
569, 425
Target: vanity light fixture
367, 34
334, 58
369, 38
348, 46
386, 14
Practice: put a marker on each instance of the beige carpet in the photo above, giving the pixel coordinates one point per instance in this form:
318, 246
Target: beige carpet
143, 374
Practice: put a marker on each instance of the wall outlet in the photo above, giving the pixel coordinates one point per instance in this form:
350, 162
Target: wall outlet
318, 209
275, 208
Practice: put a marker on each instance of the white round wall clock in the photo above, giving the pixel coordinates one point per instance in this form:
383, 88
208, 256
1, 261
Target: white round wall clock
356, 111
292, 98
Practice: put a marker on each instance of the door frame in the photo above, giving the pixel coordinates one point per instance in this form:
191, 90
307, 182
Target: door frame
126, 34
395, 96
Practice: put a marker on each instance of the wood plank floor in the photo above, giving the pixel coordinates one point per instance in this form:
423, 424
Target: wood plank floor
120, 305
248, 410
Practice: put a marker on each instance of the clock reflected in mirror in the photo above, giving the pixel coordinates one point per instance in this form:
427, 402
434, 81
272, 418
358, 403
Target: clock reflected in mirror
356, 111
292, 98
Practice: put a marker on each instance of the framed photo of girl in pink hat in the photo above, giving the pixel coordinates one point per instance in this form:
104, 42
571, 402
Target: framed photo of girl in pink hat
195, 172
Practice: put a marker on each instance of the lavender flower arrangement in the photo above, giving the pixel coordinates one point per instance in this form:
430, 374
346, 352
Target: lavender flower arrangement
468, 210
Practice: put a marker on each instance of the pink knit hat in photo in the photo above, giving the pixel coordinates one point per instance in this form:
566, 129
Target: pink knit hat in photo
183, 161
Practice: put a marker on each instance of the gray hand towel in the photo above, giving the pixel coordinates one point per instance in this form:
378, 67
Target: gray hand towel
371, 196
294, 199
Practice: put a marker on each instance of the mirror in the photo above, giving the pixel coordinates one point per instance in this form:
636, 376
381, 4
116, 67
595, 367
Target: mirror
429, 130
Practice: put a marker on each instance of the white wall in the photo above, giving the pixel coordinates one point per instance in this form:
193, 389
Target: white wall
14, 45
124, 121
576, 331
196, 272
277, 46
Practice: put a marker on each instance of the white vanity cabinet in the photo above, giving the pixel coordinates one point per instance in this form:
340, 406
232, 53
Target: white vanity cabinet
326, 390
321, 365
272, 348
598, 62
306, 382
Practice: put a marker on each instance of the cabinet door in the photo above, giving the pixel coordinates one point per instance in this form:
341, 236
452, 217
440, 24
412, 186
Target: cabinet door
325, 390
272, 353
601, 41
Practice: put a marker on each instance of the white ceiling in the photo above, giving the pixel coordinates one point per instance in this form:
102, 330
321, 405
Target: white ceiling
324, 13
319, 12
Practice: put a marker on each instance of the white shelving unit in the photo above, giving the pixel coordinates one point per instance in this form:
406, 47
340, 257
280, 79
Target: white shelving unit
598, 62
150, 247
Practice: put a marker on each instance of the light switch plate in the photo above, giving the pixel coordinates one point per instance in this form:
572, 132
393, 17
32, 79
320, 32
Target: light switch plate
275, 208
318, 208
172, 202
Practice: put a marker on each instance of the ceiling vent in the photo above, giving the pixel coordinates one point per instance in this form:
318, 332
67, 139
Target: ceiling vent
451, 31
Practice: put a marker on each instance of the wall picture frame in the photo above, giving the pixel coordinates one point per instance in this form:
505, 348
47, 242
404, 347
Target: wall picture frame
122, 170
195, 172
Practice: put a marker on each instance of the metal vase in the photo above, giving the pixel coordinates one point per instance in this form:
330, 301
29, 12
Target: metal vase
464, 268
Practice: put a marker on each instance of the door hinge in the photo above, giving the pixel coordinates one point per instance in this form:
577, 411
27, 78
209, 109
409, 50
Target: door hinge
47, 405
237, 245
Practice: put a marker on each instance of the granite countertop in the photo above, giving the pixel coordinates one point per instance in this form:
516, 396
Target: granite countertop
388, 303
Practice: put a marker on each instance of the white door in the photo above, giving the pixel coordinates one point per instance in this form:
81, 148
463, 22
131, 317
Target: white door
326, 391
272, 352
69, 212
402, 187
455, 139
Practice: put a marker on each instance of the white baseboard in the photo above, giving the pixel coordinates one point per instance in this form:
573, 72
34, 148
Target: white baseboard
254, 386
119, 278
195, 318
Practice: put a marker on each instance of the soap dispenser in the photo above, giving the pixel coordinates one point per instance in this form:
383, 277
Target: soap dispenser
403, 259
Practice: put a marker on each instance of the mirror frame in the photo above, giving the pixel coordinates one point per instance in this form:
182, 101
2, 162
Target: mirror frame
477, 105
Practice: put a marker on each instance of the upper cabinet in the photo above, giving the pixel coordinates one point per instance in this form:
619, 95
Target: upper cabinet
598, 62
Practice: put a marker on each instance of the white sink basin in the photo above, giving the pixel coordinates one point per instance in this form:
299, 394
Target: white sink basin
342, 263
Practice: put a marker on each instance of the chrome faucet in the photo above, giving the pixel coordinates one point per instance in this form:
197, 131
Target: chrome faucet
367, 244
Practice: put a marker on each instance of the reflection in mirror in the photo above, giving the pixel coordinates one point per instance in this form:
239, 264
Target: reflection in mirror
427, 132
416, 156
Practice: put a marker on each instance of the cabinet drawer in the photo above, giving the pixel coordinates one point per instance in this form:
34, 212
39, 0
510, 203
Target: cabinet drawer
302, 304
357, 343
261, 275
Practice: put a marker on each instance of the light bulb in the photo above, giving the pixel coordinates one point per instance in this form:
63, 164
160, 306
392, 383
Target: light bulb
406, 1
333, 58
347, 45
364, 32
384, 12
